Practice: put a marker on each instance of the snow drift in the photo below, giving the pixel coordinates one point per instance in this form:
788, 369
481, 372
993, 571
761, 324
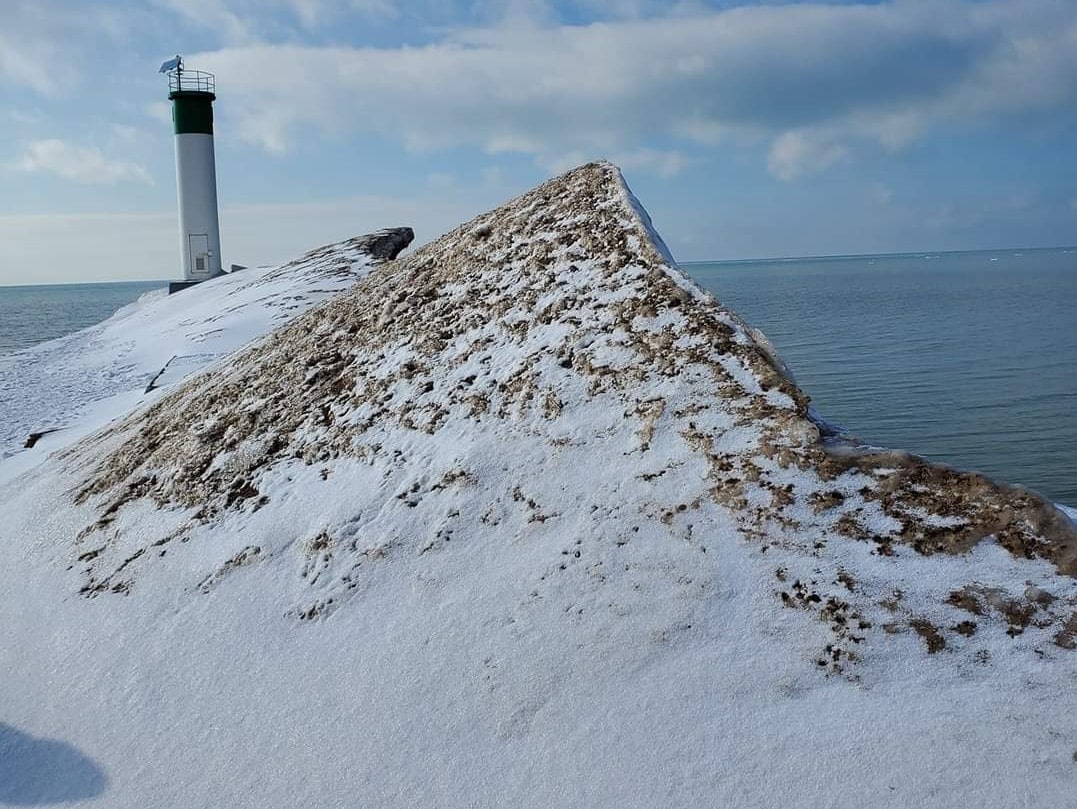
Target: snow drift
526, 517
78, 382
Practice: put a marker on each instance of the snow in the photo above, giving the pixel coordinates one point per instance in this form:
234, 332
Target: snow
83, 380
524, 518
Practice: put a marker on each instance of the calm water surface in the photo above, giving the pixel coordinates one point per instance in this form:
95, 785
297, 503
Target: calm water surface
33, 314
967, 358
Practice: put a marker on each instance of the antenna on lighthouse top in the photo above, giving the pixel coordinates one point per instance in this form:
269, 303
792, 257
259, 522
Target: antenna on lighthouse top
172, 64
187, 81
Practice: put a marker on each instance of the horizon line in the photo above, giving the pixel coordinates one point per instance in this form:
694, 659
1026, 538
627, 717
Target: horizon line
873, 255
679, 263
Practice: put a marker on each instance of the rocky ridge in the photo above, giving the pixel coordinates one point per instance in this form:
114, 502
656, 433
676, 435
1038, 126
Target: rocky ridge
161, 339
545, 376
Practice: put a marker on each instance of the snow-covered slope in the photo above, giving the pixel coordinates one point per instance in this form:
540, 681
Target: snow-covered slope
528, 518
77, 382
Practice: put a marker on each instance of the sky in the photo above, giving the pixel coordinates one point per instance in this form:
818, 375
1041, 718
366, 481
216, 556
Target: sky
747, 129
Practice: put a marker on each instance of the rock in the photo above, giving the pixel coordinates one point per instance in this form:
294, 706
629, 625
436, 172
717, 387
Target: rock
387, 244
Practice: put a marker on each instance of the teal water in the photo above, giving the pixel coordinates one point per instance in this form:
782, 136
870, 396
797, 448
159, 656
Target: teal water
34, 314
966, 358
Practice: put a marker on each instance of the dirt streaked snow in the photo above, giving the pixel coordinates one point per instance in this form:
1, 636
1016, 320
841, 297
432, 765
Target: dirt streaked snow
76, 383
528, 518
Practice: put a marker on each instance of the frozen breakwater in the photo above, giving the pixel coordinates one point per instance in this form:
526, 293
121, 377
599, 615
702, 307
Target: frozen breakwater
526, 517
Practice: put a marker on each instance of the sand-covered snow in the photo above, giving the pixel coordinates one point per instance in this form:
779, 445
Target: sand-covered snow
78, 382
528, 518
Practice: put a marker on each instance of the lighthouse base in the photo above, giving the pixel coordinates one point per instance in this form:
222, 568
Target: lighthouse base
179, 286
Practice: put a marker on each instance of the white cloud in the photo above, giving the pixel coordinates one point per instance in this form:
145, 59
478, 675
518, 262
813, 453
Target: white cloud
493, 177
817, 81
214, 15
312, 13
240, 22
25, 118
159, 111
28, 53
653, 161
882, 195
662, 163
440, 180
60, 248
42, 42
83, 248
799, 154
123, 135
84, 164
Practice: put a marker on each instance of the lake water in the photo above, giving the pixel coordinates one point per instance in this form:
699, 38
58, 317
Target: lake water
33, 314
966, 358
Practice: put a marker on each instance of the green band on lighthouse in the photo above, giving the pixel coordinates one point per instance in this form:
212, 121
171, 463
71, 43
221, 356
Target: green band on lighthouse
192, 112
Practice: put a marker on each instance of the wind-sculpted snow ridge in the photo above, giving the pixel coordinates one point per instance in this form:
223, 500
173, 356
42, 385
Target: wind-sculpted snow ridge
54, 384
526, 518
543, 375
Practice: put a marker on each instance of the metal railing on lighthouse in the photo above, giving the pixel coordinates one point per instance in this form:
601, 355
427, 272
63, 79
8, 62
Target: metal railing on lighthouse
197, 81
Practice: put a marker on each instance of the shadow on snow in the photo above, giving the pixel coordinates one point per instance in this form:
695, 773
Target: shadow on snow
43, 771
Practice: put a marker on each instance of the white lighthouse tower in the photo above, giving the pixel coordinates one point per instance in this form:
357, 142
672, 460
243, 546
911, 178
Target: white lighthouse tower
192, 93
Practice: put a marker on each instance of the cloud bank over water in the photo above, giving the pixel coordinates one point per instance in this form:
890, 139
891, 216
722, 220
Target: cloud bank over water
813, 81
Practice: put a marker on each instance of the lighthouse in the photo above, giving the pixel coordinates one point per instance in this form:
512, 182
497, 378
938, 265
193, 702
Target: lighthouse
192, 93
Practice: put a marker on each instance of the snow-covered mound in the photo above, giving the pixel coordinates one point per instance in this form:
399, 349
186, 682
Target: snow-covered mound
74, 383
528, 518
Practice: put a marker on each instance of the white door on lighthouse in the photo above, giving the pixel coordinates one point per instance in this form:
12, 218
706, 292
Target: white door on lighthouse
199, 254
